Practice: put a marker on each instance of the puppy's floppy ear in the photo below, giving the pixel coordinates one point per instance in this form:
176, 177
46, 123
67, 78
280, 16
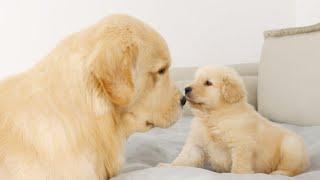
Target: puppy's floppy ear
233, 89
112, 70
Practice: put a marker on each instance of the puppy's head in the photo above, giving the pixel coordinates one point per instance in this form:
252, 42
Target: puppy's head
130, 68
215, 86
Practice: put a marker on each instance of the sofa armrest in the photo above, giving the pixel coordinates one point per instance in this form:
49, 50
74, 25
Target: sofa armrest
246, 69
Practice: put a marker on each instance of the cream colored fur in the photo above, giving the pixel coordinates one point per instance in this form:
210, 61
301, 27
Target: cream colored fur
69, 116
231, 135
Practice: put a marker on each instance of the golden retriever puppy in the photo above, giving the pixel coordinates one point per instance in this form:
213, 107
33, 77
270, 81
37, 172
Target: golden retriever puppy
231, 135
69, 116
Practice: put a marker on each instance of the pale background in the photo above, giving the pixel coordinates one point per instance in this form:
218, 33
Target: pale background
199, 32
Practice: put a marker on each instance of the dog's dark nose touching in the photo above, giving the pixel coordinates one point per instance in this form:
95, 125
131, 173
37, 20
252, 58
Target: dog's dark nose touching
187, 90
183, 101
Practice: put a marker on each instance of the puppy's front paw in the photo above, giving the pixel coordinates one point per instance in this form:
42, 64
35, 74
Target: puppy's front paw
242, 171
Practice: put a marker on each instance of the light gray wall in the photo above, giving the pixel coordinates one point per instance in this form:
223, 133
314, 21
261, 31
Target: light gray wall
307, 12
199, 32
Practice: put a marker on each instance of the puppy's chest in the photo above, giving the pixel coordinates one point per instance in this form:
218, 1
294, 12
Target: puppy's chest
218, 134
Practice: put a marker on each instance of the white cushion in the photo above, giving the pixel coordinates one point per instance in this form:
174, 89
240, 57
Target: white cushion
289, 76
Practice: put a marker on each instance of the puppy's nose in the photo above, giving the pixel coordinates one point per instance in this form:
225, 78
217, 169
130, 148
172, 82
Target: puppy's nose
183, 101
187, 90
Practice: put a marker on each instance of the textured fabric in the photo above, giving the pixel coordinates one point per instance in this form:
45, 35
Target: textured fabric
188, 173
292, 31
289, 79
145, 150
184, 76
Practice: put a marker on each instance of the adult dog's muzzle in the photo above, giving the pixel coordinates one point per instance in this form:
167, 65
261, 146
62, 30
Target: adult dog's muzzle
183, 101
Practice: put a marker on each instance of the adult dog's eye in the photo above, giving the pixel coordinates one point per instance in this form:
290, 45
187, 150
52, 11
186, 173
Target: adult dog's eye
208, 83
162, 71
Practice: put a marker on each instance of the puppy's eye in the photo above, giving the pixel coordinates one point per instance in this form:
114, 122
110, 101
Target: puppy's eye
162, 71
208, 83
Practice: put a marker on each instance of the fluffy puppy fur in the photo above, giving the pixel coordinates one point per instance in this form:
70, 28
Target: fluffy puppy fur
231, 135
68, 117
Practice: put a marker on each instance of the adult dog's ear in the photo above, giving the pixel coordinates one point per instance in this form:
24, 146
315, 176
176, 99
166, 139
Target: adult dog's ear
112, 70
233, 89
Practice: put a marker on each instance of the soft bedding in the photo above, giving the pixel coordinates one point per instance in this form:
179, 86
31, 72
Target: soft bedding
145, 151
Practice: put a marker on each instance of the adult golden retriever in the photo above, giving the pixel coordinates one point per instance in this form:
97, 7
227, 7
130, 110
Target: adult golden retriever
229, 134
69, 116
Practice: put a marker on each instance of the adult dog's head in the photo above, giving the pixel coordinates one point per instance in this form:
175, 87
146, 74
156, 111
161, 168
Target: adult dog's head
129, 64
215, 87
78, 104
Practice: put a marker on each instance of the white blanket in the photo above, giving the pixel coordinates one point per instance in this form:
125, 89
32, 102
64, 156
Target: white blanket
145, 151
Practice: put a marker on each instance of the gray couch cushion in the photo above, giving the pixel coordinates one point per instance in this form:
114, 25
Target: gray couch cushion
289, 76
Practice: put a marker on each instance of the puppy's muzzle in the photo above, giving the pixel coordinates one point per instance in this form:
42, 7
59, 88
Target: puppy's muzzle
187, 90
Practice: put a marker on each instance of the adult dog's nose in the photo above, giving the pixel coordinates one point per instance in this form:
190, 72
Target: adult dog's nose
183, 101
187, 90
